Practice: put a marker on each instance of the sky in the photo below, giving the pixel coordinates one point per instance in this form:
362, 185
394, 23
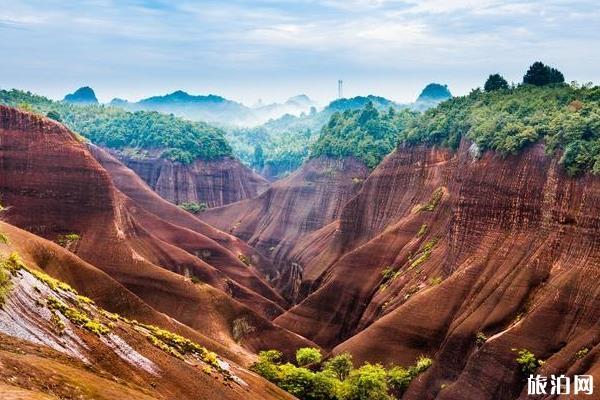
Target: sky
272, 50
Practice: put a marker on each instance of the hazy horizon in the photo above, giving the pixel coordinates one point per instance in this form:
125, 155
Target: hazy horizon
273, 50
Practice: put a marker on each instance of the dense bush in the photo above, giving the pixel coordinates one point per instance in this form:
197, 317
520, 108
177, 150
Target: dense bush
177, 139
336, 379
193, 207
565, 117
367, 134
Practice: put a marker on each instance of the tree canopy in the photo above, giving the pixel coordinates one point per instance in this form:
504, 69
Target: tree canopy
495, 82
540, 74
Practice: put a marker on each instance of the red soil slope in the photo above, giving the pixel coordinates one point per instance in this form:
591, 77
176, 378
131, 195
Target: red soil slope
277, 220
216, 183
438, 247
42, 358
52, 186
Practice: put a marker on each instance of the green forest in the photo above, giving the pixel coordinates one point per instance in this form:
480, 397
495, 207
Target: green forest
565, 117
176, 138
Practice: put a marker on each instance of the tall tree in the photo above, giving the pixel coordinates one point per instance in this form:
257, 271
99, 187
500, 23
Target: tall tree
540, 74
495, 82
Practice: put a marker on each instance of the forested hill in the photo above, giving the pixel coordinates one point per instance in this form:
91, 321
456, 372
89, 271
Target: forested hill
366, 134
565, 117
175, 138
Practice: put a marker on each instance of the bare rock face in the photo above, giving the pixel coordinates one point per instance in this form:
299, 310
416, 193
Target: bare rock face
463, 261
278, 220
215, 183
52, 186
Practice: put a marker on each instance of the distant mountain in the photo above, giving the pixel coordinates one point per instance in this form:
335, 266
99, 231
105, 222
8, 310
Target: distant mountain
83, 95
216, 109
296, 106
117, 102
431, 96
359, 102
209, 108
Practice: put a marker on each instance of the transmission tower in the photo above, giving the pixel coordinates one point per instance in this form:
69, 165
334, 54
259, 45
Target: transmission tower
340, 85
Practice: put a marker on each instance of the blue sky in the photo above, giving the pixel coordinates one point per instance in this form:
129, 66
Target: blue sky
246, 50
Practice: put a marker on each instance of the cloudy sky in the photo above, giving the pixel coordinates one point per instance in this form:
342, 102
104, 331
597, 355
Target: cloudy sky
246, 50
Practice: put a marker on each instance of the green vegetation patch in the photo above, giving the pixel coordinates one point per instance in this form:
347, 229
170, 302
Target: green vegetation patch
77, 317
5, 285
193, 207
336, 378
423, 254
433, 202
179, 346
527, 361
67, 239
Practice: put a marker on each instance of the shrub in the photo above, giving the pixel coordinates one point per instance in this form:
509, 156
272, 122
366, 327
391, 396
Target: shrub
67, 239
369, 382
5, 285
480, 338
435, 281
193, 207
582, 353
433, 202
267, 365
308, 355
245, 259
527, 361
96, 327
3, 238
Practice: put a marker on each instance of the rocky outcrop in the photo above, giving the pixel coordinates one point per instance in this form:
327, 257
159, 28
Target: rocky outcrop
276, 221
459, 259
52, 186
214, 183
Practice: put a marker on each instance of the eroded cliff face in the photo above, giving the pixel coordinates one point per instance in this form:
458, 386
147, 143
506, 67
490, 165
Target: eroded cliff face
438, 247
46, 352
215, 183
275, 222
206, 279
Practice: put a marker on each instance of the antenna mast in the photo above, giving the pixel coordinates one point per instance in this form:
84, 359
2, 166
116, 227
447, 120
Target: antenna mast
340, 84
